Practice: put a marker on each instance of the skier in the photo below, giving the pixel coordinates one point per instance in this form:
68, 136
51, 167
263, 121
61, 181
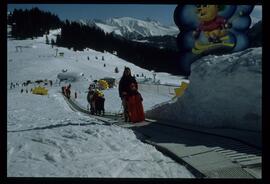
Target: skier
124, 89
75, 95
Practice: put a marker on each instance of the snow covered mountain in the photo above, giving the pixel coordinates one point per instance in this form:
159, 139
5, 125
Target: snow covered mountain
133, 28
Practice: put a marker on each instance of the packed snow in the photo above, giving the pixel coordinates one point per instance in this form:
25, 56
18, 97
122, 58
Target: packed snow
45, 138
224, 91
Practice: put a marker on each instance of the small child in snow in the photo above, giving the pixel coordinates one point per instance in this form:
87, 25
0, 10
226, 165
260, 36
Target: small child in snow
135, 106
134, 91
99, 103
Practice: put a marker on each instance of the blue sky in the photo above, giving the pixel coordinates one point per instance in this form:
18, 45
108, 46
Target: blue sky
162, 13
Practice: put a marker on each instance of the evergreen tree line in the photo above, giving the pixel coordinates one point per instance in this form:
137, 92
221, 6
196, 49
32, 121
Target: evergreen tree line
78, 36
32, 23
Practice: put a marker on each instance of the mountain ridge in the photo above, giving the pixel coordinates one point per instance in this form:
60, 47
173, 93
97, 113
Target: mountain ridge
132, 28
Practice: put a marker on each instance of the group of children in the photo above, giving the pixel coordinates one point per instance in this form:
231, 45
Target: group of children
96, 100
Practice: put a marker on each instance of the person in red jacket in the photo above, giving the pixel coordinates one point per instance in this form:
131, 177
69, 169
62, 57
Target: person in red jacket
124, 89
134, 104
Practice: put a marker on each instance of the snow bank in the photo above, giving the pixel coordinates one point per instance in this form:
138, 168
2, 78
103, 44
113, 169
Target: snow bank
51, 140
224, 91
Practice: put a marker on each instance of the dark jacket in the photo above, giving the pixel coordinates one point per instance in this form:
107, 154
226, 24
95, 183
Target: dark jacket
90, 96
124, 85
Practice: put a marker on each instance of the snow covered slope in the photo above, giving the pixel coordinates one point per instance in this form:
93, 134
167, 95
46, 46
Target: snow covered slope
133, 28
45, 138
224, 91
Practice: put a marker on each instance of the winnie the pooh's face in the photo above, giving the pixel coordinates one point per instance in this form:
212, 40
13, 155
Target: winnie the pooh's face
206, 12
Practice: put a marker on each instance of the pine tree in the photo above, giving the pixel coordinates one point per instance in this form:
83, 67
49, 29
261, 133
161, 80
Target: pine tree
32, 23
